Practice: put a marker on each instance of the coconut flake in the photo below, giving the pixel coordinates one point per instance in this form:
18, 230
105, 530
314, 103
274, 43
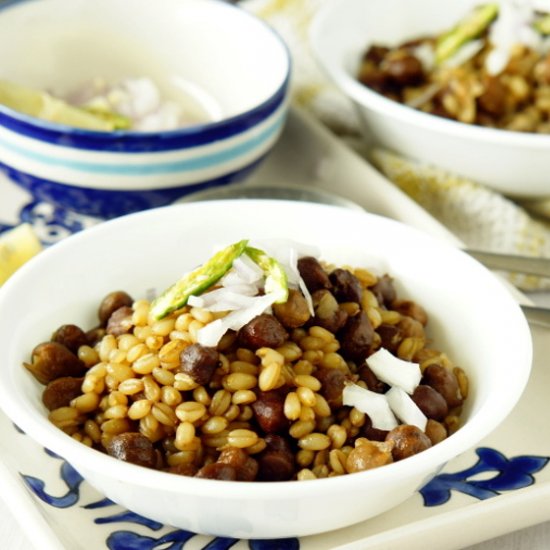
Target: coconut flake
394, 371
405, 408
211, 333
374, 404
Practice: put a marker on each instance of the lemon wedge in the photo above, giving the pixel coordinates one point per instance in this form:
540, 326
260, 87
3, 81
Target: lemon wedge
17, 246
47, 107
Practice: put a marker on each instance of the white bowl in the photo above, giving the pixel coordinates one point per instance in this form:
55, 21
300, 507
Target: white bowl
510, 162
472, 317
206, 54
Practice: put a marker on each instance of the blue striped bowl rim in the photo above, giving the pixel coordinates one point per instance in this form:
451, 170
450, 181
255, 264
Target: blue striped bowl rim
139, 142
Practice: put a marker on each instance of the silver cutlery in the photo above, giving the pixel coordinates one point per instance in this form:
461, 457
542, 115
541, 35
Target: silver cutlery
513, 263
519, 264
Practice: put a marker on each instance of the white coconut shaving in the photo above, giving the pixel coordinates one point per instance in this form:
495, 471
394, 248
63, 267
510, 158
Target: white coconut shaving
403, 377
374, 404
394, 371
405, 408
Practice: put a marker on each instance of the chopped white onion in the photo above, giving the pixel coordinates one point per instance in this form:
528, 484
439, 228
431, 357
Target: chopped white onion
394, 371
512, 26
196, 301
496, 61
243, 270
280, 249
426, 95
374, 404
223, 299
211, 333
424, 52
294, 271
405, 408
465, 53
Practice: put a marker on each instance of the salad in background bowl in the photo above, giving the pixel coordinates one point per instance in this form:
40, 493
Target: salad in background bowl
462, 86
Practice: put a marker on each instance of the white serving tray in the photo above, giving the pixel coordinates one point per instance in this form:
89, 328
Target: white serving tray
501, 486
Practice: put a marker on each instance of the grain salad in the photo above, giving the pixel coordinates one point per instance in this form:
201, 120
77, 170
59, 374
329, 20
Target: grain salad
265, 363
491, 69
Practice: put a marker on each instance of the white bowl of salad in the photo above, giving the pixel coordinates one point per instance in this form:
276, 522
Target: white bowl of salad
293, 369
462, 86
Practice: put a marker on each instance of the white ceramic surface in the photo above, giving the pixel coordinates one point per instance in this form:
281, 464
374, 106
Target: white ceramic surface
57, 288
511, 162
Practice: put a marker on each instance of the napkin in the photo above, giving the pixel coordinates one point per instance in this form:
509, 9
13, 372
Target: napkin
480, 217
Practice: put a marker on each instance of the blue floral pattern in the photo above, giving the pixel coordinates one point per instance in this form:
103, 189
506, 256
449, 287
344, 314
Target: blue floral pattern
130, 540
50, 222
509, 474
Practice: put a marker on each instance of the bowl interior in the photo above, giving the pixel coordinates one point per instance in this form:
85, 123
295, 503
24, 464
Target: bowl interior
471, 313
215, 57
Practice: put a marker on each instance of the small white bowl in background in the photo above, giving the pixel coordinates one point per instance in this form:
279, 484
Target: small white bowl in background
208, 55
473, 318
512, 163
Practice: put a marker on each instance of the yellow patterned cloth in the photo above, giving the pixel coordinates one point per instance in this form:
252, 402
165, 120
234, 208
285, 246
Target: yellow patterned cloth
480, 217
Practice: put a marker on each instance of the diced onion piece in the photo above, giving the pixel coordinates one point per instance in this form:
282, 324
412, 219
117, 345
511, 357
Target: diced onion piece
394, 371
225, 299
405, 408
196, 301
287, 252
426, 95
294, 273
424, 52
280, 249
374, 404
465, 53
496, 61
244, 270
211, 333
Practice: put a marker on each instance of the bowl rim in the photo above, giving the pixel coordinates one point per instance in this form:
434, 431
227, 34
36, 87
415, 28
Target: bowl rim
90, 460
225, 127
364, 96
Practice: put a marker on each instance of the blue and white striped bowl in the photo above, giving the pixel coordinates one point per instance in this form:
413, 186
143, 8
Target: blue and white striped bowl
230, 54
